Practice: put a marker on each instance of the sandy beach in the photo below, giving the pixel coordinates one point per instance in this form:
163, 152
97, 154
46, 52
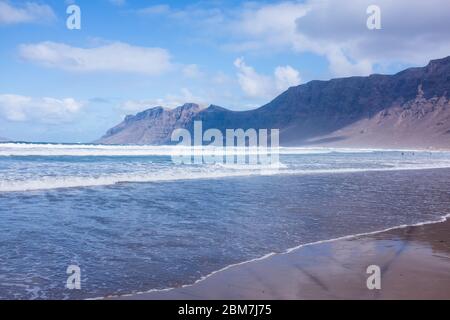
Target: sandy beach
414, 263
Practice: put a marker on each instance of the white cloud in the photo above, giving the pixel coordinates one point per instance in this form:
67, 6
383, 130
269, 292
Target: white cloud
169, 101
113, 57
286, 77
268, 25
340, 64
29, 12
256, 85
275, 27
413, 32
46, 110
252, 83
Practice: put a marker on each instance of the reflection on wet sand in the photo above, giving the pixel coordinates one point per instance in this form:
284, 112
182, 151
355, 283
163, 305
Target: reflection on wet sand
414, 263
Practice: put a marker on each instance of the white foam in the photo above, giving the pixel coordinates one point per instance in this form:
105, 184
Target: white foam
243, 166
187, 173
35, 149
46, 183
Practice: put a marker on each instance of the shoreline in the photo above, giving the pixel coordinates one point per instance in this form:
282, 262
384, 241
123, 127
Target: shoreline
218, 284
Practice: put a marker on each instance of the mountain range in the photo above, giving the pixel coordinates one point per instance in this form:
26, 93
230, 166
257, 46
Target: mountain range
410, 109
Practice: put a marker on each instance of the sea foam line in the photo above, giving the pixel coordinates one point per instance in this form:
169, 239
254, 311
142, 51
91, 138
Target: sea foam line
287, 251
50, 183
47, 183
80, 150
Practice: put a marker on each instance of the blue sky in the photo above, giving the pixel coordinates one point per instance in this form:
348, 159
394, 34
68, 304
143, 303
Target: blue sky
64, 85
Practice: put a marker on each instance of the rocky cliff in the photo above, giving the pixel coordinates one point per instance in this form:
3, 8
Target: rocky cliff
405, 110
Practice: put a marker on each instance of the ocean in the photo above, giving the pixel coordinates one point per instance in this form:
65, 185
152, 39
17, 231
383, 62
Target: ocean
133, 220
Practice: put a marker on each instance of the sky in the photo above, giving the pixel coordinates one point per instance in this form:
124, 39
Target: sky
71, 85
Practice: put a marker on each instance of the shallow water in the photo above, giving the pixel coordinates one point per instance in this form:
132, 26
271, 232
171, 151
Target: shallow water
134, 221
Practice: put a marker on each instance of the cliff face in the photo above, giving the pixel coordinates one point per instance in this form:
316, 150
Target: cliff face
408, 109
152, 126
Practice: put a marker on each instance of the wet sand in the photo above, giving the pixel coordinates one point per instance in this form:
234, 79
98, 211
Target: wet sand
414, 263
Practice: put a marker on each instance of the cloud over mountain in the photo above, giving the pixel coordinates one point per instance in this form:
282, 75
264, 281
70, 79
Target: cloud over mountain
413, 32
257, 85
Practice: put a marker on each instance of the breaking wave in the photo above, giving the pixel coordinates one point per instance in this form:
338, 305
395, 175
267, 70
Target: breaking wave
50, 182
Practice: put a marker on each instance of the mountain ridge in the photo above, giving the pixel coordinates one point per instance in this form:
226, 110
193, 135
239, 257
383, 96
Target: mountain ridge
354, 111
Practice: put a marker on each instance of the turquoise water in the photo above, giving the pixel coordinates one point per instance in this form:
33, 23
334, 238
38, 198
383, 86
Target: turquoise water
132, 220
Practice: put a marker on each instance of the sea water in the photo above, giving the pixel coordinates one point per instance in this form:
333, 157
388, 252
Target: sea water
133, 220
